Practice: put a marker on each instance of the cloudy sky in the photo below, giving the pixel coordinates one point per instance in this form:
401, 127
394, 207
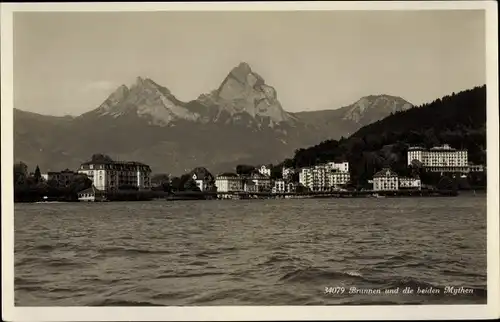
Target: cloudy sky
68, 63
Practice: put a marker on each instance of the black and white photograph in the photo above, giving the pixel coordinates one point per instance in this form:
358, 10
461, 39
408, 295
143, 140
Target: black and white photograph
250, 156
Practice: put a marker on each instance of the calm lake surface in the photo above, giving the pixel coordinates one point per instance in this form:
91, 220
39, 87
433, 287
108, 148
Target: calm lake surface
250, 252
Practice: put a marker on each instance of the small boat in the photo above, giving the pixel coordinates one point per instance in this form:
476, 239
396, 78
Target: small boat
376, 195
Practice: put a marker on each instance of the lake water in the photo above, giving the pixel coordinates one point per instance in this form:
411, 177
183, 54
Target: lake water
251, 252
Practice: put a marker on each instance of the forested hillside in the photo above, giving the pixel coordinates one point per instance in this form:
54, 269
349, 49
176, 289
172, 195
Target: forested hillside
458, 120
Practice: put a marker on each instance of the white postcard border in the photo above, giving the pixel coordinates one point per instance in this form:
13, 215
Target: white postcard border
226, 313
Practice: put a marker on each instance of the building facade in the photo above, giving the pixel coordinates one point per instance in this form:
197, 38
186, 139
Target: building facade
338, 178
286, 173
91, 194
62, 178
306, 177
340, 166
229, 182
111, 175
410, 183
385, 180
476, 167
203, 178
279, 186
265, 170
261, 181
324, 177
249, 186
440, 159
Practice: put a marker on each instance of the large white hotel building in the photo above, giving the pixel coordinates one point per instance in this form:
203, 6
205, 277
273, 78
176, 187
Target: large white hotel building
324, 177
440, 159
110, 175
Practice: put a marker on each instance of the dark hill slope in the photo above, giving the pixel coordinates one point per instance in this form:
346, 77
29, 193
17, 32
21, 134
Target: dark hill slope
457, 119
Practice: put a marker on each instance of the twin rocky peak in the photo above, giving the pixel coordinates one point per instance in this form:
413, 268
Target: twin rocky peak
243, 97
242, 93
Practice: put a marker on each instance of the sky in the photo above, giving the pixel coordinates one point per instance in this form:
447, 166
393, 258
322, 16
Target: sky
68, 63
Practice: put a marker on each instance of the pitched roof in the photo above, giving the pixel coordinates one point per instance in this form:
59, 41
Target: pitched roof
386, 172
228, 174
92, 189
258, 175
201, 173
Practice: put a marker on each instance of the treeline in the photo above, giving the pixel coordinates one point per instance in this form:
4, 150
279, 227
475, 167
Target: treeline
32, 187
457, 119
185, 183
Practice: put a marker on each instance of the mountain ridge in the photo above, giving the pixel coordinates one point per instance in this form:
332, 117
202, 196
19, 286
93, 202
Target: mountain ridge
241, 121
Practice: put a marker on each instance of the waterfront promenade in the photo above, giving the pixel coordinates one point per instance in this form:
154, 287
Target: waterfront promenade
311, 194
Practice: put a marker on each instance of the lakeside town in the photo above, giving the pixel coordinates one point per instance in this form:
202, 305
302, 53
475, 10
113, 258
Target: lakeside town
104, 179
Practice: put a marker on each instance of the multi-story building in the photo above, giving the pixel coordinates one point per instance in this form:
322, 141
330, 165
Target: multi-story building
291, 187
286, 173
61, 178
265, 170
338, 178
279, 186
440, 159
203, 178
324, 177
261, 181
385, 180
250, 186
340, 166
229, 182
107, 174
410, 183
306, 177
320, 180
476, 167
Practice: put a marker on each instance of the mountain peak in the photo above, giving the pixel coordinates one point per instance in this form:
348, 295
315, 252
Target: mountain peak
374, 107
382, 96
241, 71
144, 81
245, 93
115, 98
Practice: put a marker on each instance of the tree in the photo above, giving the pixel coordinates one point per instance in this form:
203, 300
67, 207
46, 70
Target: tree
244, 170
183, 180
159, 179
301, 188
20, 173
96, 158
79, 182
38, 175
276, 172
190, 185
175, 184
289, 163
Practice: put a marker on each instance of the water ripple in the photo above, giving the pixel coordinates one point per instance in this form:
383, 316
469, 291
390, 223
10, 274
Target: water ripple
256, 252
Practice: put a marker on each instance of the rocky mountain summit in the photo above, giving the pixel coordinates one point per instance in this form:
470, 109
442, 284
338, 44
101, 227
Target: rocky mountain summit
145, 99
246, 92
374, 107
243, 97
240, 122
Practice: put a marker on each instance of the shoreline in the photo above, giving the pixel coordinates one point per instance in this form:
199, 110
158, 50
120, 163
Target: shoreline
190, 196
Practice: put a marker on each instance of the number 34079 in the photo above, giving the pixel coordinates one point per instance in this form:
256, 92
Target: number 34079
335, 290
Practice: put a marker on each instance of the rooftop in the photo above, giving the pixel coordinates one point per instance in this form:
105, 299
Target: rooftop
443, 147
227, 175
92, 189
386, 172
